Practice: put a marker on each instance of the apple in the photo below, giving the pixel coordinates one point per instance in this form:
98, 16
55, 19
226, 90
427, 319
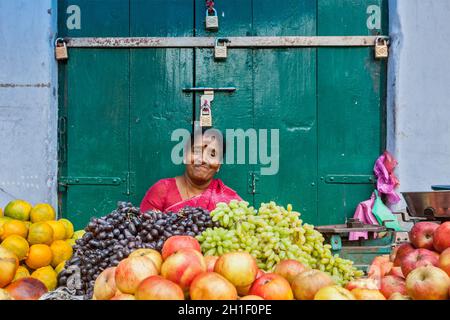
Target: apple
212, 286
105, 284
289, 269
392, 284
27, 288
210, 263
428, 283
399, 296
333, 293
272, 286
367, 294
396, 271
402, 250
421, 235
419, 258
183, 266
237, 267
175, 243
123, 296
131, 271
251, 297
363, 283
444, 261
154, 255
242, 291
380, 266
441, 238
306, 284
393, 254
158, 288
8, 266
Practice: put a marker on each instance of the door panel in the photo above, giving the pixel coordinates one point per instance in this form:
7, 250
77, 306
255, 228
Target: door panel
285, 99
97, 130
157, 104
229, 111
158, 107
350, 110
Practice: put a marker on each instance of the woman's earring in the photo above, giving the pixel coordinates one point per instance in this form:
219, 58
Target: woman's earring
218, 170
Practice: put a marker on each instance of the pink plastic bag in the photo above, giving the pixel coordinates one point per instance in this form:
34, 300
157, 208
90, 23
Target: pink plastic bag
364, 213
387, 182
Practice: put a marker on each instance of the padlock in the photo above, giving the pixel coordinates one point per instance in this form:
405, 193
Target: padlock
205, 115
220, 51
381, 48
212, 22
61, 52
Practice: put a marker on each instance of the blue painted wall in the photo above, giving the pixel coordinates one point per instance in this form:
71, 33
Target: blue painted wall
28, 101
419, 92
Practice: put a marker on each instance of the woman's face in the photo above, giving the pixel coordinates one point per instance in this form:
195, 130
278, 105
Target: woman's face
203, 161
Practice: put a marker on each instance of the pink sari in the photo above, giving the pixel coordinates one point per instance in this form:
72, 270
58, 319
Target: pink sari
164, 196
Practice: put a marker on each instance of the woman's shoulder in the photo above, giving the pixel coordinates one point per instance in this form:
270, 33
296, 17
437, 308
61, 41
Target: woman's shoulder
165, 182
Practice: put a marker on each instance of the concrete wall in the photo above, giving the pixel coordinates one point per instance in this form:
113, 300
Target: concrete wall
419, 92
28, 101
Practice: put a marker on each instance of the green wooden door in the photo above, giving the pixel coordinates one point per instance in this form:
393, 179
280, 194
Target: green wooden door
118, 107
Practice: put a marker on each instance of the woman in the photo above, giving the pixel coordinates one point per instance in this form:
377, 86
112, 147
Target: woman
197, 186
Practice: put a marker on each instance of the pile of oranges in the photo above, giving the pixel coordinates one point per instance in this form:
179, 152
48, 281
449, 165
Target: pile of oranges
41, 243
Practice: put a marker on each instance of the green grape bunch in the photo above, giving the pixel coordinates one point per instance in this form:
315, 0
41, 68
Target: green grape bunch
271, 234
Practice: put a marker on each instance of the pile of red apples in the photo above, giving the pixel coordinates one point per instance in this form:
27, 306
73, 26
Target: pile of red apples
181, 272
417, 270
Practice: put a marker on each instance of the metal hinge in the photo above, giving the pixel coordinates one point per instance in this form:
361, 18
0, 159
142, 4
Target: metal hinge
252, 180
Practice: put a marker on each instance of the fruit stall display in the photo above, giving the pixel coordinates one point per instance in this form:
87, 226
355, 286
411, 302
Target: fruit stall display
33, 248
234, 252
417, 270
182, 272
112, 238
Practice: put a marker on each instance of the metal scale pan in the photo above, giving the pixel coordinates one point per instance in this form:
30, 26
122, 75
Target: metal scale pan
431, 205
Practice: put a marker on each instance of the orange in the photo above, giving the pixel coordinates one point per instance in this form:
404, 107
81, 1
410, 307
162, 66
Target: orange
69, 227
47, 276
17, 245
40, 232
40, 255
61, 251
14, 227
4, 220
18, 209
42, 212
59, 231
21, 272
